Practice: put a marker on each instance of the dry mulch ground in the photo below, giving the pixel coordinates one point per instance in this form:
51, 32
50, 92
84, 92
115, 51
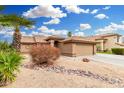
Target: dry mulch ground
69, 72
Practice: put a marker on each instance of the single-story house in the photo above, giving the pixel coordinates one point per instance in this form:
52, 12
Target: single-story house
73, 46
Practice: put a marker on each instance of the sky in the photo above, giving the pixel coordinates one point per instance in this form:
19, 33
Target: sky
83, 20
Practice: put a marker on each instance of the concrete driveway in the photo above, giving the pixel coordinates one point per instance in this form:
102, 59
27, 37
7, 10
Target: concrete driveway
109, 58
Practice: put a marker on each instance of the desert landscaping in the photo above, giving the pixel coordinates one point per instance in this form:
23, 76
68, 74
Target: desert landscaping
34, 53
69, 72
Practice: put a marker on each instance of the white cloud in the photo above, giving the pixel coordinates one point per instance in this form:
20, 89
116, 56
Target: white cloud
113, 27
85, 11
6, 31
23, 33
33, 33
53, 21
107, 7
9, 31
75, 9
94, 11
101, 16
44, 11
85, 26
43, 28
76, 29
48, 31
78, 34
37, 33
122, 22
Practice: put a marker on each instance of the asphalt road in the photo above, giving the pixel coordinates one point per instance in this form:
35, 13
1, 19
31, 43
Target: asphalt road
109, 58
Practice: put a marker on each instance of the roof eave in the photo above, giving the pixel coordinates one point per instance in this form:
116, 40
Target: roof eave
78, 41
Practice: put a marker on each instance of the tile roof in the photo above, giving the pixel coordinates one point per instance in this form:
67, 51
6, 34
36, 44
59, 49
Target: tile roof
78, 39
33, 39
93, 38
54, 38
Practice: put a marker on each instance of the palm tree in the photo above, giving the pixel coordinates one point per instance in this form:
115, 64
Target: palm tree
1, 16
69, 34
16, 22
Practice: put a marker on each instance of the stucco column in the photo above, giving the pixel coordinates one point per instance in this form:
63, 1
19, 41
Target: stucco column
102, 45
52, 43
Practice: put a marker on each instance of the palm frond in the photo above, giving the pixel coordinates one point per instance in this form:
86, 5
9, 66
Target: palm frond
1, 7
14, 20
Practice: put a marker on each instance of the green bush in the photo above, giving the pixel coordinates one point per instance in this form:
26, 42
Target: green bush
118, 51
9, 66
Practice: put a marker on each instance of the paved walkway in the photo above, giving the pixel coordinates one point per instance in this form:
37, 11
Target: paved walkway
109, 58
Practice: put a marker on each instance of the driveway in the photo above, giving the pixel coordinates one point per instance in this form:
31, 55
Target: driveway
109, 58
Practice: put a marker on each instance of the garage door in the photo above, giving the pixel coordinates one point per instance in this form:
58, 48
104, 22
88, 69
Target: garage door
84, 49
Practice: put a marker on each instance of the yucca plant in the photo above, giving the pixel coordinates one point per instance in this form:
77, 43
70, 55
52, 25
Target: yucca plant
5, 46
9, 66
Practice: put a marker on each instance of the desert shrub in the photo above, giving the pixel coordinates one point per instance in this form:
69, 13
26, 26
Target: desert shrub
118, 51
44, 54
9, 65
4, 46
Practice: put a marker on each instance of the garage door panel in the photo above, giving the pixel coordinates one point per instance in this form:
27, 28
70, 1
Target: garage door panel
84, 49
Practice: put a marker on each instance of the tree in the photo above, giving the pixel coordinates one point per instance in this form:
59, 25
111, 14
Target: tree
16, 22
69, 34
1, 8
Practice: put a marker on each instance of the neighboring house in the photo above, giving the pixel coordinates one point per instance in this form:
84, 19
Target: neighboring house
122, 39
107, 41
73, 46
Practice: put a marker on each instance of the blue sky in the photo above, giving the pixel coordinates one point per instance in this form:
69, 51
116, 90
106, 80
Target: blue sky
83, 20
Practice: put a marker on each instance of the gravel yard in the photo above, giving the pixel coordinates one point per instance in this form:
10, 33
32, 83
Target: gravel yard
69, 72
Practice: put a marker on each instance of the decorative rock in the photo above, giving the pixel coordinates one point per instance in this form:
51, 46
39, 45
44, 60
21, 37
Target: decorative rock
78, 72
85, 60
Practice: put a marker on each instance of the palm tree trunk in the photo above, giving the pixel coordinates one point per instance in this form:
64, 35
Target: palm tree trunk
17, 40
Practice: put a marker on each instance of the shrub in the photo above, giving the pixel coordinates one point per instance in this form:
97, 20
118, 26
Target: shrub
44, 54
118, 51
9, 65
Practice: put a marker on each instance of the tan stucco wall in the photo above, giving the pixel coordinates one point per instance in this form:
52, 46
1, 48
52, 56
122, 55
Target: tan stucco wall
118, 46
25, 48
100, 45
83, 49
111, 43
66, 49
